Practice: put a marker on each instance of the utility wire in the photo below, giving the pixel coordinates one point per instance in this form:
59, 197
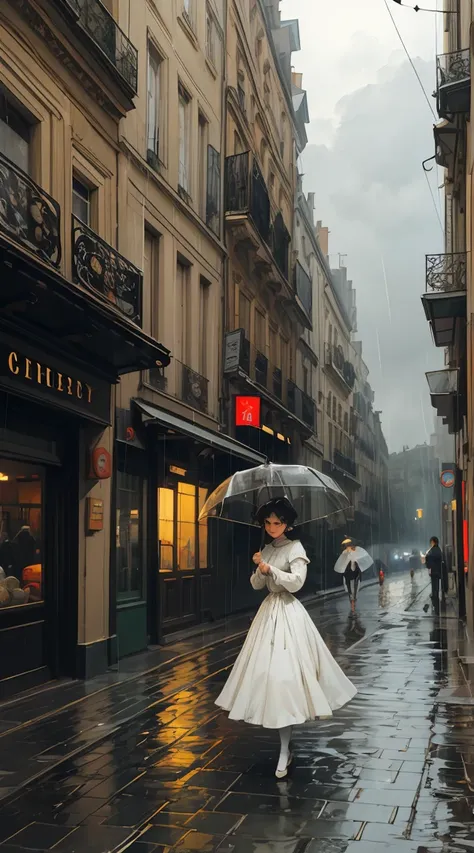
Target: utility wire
410, 61
420, 9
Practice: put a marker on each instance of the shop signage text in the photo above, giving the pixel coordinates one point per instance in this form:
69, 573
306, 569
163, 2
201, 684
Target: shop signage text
49, 380
247, 411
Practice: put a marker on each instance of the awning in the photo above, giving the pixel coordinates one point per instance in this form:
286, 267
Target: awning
444, 390
442, 310
174, 424
39, 303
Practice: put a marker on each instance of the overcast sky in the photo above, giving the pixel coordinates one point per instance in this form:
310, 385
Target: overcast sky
370, 129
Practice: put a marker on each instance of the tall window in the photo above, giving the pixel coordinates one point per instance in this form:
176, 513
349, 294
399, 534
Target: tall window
284, 360
188, 11
184, 109
339, 415
260, 331
329, 404
204, 294
306, 384
202, 164
15, 135
183, 325
211, 37
81, 201
186, 538
21, 533
213, 189
154, 109
152, 283
244, 314
334, 409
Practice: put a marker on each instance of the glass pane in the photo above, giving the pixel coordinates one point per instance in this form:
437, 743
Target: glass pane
203, 531
186, 526
21, 535
128, 536
81, 201
166, 528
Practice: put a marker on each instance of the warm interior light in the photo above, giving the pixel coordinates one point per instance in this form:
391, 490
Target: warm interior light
3, 478
181, 472
267, 429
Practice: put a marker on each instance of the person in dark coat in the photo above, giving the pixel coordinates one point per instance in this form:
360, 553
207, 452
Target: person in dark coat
436, 566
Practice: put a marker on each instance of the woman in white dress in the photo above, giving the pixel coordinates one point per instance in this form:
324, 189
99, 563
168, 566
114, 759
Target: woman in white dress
284, 674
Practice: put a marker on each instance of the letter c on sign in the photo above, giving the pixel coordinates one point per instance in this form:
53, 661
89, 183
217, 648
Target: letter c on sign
13, 363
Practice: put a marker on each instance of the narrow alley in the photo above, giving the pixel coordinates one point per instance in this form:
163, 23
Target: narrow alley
147, 763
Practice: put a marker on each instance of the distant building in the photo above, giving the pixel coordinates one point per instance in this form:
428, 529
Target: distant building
415, 494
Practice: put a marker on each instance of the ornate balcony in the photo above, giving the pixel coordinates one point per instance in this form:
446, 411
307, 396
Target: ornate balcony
341, 369
248, 214
100, 268
182, 382
302, 405
346, 463
446, 273
100, 26
304, 294
453, 93
28, 215
444, 302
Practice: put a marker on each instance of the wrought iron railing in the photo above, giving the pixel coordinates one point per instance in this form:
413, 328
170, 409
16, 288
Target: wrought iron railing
345, 462
246, 192
334, 357
301, 405
100, 25
98, 266
445, 273
304, 288
28, 215
280, 242
453, 67
181, 381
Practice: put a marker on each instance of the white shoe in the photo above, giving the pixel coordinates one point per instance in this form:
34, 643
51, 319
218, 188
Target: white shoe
281, 774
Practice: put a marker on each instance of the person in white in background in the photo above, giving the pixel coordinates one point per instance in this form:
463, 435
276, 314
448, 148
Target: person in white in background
284, 674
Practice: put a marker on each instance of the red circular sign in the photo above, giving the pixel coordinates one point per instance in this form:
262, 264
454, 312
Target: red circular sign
447, 479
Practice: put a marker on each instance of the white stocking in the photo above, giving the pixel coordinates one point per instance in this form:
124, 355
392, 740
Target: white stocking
285, 736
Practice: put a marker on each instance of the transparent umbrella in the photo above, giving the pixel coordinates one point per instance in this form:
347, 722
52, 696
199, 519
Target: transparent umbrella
357, 555
313, 495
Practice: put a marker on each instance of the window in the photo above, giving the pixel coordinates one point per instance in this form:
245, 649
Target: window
21, 534
346, 422
129, 549
284, 360
330, 441
306, 383
203, 531
211, 38
272, 182
260, 331
180, 534
15, 135
166, 539
184, 103
183, 319
203, 125
334, 408
151, 274
274, 348
213, 191
188, 11
204, 294
81, 201
329, 404
154, 107
339, 415
186, 527
238, 146
244, 314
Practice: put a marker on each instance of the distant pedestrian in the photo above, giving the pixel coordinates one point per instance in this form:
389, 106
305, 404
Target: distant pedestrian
352, 562
436, 565
415, 562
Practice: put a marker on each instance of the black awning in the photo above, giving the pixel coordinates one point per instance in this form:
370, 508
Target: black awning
46, 308
153, 415
442, 310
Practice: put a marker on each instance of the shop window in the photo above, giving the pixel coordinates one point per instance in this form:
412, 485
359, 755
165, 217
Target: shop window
203, 531
21, 534
186, 534
129, 548
166, 538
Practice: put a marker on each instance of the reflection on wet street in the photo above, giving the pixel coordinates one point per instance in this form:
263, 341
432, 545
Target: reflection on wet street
149, 764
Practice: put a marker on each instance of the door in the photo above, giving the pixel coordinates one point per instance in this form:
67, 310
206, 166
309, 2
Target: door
182, 556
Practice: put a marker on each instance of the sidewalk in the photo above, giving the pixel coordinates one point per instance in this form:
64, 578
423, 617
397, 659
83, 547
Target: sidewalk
150, 765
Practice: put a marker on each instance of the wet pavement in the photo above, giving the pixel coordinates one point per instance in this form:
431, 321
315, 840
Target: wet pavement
147, 763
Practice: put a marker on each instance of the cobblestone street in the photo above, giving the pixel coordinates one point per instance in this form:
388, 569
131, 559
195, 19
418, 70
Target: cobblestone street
145, 762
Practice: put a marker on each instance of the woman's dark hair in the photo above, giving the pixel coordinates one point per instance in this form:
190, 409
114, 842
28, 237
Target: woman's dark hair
281, 507
435, 540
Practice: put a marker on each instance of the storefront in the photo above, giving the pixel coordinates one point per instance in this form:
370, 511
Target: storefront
172, 571
62, 351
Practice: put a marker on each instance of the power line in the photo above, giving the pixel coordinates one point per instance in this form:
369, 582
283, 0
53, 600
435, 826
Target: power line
421, 9
434, 202
410, 60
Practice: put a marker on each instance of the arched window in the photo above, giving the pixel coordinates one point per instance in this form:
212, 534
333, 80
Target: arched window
263, 153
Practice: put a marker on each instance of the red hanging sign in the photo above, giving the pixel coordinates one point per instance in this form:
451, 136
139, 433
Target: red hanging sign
247, 411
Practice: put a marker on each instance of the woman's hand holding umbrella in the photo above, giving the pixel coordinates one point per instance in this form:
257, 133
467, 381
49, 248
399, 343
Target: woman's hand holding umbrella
263, 567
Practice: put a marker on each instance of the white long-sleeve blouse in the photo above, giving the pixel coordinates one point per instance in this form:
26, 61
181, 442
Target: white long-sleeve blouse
288, 567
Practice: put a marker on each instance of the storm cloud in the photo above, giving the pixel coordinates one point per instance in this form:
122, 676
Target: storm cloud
372, 193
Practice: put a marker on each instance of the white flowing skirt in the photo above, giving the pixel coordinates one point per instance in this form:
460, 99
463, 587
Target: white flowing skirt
284, 674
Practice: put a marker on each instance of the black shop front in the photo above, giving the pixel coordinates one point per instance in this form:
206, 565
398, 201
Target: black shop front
61, 353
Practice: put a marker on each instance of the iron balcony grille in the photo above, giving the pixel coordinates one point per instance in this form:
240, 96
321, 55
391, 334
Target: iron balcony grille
334, 357
246, 192
301, 405
280, 242
304, 288
453, 67
100, 25
446, 273
28, 215
182, 382
97, 266
346, 463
